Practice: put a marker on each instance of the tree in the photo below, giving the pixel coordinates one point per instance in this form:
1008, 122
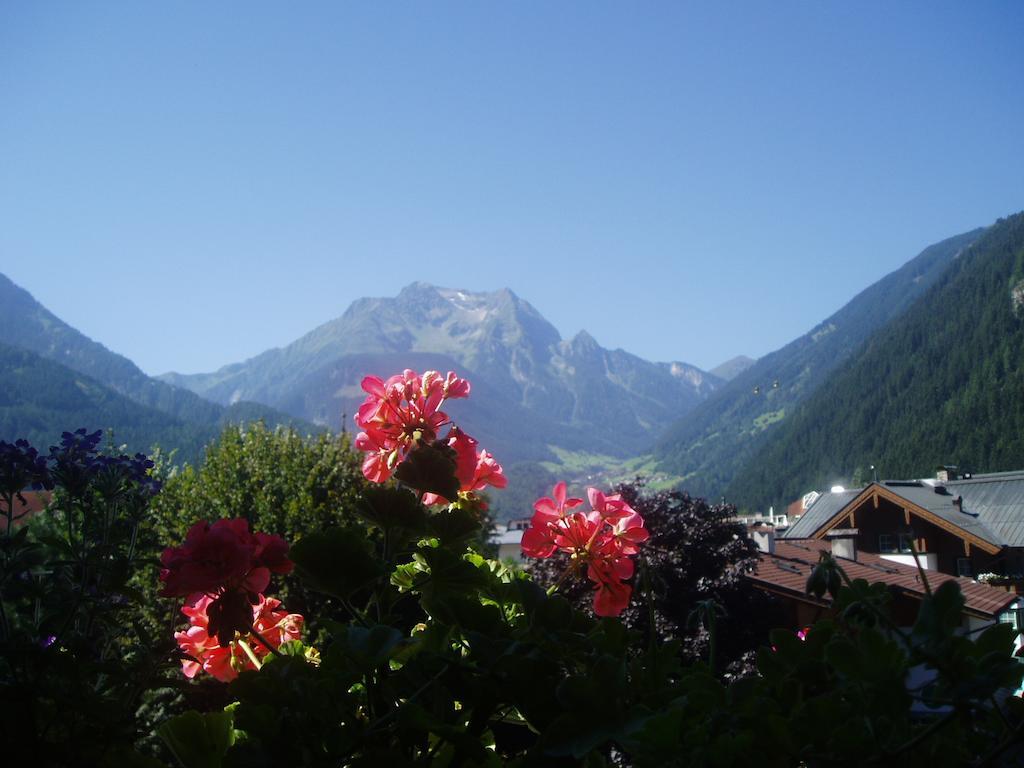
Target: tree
689, 582
277, 479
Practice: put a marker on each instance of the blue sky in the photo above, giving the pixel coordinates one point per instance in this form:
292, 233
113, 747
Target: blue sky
192, 183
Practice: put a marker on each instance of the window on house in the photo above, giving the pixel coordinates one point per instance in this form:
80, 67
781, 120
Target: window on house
895, 542
1012, 617
963, 567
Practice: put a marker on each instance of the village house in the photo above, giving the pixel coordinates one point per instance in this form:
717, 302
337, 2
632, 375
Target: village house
970, 525
967, 528
784, 565
508, 540
27, 504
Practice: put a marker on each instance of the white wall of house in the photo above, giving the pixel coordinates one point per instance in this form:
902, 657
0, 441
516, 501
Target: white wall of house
510, 551
929, 560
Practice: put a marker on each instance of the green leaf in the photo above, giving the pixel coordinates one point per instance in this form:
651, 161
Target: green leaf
430, 469
455, 525
336, 561
940, 614
364, 649
392, 508
450, 573
996, 639
199, 740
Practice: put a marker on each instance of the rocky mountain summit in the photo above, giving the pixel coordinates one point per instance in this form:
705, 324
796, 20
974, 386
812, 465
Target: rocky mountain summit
534, 389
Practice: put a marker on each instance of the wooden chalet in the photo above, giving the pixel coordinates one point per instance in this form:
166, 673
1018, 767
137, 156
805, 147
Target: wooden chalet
784, 566
962, 526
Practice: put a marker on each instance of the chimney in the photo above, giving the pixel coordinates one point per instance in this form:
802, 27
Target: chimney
764, 537
945, 473
958, 502
844, 542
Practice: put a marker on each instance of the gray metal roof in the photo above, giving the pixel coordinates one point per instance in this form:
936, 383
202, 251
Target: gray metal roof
998, 501
992, 508
820, 512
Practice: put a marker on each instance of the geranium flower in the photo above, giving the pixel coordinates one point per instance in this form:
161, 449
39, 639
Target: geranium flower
400, 413
557, 507
604, 539
222, 557
224, 661
474, 471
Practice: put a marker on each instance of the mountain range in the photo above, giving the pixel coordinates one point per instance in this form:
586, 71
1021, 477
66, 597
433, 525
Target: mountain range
708, 447
56, 378
941, 384
534, 392
922, 367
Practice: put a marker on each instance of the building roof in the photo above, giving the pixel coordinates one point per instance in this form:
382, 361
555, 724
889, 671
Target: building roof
507, 537
820, 512
992, 506
30, 504
794, 509
998, 501
786, 571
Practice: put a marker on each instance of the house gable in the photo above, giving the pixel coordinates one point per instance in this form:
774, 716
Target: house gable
871, 498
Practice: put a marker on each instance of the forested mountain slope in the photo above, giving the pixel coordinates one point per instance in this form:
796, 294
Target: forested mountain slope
944, 383
40, 399
708, 446
28, 325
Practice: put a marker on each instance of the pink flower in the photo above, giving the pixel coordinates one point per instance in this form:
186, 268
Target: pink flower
275, 624
400, 413
628, 532
611, 595
556, 508
488, 472
539, 541
474, 471
610, 508
224, 662
603, 539
454, 387
576, 533
465, 456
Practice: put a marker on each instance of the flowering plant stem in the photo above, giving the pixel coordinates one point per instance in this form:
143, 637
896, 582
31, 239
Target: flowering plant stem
266, 645
248, 651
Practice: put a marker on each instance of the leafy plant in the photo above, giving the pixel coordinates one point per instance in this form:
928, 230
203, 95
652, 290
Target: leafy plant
74, 659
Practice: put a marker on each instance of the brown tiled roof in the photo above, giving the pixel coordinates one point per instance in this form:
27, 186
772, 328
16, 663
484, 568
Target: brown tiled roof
795, 509
35, 502
787, 571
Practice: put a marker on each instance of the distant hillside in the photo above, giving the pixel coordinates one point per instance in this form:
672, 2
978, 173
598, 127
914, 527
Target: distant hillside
944, 383
730, 369
709, 445
532, 389
40, 399
27, 324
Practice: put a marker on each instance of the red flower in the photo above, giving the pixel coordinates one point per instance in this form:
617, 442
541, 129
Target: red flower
474, 471
553, 509
224, 662
604, 539
221, 557
401, 412
628, 532
610, 508
611, 595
